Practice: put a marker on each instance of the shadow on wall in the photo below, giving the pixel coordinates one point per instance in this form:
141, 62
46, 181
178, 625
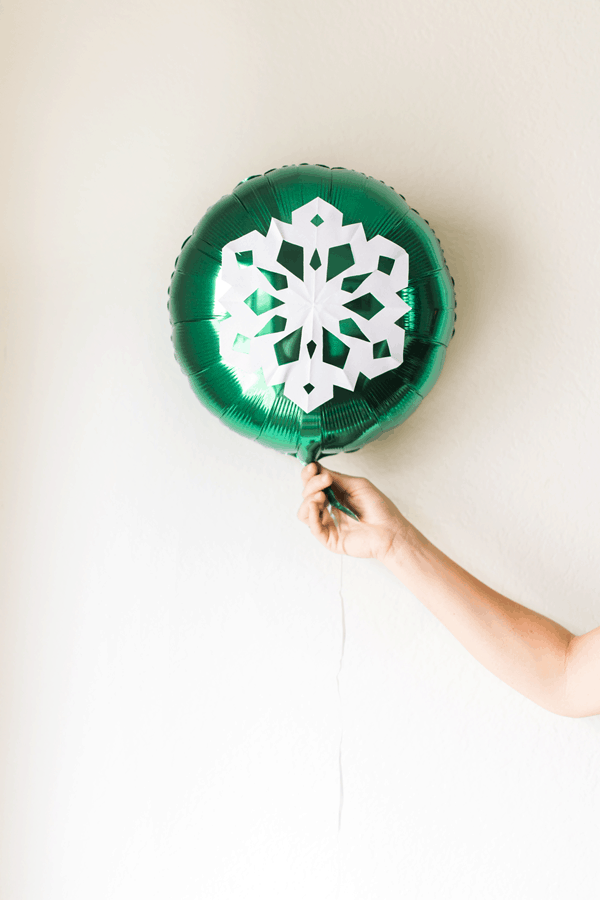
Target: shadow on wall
478, 257
461, 465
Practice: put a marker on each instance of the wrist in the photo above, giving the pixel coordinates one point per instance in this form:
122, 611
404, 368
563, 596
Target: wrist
406, 546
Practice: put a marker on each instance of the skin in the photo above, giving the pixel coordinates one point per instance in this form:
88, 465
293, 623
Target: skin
531, 653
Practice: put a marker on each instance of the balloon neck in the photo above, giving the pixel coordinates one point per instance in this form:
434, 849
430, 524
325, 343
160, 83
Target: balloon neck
310, 452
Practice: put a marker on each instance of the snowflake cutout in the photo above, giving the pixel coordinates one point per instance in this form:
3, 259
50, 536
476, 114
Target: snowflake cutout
313, 304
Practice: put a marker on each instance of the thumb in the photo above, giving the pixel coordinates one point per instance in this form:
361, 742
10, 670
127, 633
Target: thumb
346, 483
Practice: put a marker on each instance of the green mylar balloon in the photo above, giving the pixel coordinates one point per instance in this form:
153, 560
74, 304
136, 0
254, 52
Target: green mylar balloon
311, 309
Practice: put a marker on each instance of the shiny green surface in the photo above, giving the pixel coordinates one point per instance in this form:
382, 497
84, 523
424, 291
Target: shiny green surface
351, 418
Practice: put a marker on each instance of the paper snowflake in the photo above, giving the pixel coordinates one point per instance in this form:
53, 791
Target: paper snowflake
312, 304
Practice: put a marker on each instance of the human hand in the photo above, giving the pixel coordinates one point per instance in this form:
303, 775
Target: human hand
380, 528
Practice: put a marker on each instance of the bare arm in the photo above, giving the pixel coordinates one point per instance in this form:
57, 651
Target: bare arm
530, 652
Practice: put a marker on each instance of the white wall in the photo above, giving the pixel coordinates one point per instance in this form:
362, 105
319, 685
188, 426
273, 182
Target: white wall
170, 635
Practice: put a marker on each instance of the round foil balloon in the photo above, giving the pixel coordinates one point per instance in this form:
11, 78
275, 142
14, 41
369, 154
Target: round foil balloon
311, 309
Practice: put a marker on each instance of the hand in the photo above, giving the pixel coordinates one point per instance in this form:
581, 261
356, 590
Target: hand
381, 526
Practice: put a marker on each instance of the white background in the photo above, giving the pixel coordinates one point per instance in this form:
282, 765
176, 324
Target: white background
170, 634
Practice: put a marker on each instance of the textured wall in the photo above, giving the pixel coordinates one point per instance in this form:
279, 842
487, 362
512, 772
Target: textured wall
170, 635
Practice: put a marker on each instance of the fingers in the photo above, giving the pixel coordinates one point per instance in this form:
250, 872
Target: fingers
319, 500
317, 483
313, 509
346, 482
315, 522
309, 471
314, 514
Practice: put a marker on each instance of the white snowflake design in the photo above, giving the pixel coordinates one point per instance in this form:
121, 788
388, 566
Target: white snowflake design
313, 304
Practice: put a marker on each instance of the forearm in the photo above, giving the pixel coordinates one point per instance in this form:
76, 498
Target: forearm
532, 654
523, 648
